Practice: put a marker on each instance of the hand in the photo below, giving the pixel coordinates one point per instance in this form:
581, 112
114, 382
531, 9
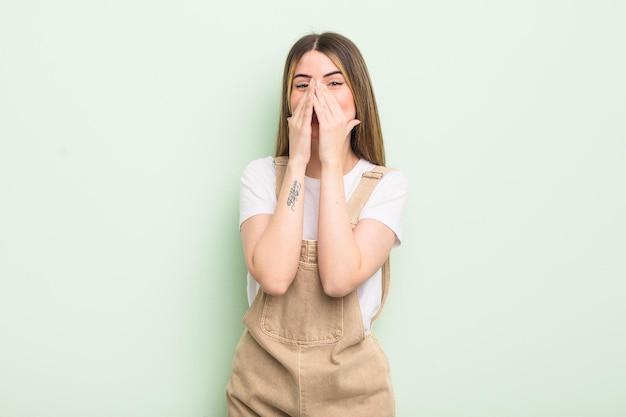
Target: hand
334, 125
300, 127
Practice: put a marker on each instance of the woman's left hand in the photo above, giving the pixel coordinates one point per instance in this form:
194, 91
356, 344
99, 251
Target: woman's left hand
334, 125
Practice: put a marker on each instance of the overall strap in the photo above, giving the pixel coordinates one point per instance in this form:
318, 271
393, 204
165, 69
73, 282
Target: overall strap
355, 206
364, 189
280, 162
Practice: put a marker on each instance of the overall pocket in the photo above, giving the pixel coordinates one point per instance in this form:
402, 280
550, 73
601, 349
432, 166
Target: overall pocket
304, 314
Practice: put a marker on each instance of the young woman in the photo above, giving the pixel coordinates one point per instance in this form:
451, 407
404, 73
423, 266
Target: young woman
318, 222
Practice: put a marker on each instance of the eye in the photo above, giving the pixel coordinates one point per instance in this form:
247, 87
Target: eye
302, 86
335, 84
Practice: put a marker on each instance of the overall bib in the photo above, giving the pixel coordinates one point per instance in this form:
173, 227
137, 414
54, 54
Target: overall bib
305, 354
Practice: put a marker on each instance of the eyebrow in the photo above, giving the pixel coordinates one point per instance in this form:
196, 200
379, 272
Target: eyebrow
325, 75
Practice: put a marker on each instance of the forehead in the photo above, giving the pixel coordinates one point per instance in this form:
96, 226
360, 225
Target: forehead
316, 64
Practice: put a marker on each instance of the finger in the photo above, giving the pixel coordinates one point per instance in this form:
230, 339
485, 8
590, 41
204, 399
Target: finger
307, 104
352, 124
300, 105
329, 104
307, 113
320, 103
333, 105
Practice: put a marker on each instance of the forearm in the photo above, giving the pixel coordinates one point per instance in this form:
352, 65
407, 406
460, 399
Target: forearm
338, 254
273, 261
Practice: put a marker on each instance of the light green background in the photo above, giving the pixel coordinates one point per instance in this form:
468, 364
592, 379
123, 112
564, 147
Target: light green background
124, 127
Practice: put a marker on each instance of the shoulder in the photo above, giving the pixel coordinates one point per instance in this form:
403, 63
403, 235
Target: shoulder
260, 165
393, 188
388, 201
259, 169
393, 180
257, 188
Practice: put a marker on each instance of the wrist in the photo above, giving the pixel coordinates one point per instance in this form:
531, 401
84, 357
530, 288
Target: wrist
332, 166
297, 163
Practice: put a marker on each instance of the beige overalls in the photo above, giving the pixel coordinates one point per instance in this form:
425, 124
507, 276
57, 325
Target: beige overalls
305, 354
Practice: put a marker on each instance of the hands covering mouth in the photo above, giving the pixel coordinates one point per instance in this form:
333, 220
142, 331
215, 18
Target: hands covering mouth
319, 117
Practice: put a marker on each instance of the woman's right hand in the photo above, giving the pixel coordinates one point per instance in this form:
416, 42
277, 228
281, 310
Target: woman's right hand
300, 127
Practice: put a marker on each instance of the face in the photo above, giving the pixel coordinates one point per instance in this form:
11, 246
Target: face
316, 65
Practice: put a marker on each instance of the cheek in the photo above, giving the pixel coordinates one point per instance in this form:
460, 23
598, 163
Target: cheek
348, 106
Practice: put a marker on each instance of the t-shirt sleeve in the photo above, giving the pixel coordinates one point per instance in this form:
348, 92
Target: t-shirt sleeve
257, 189
387, 202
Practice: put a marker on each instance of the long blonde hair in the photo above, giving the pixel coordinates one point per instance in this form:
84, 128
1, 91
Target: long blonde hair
366, 139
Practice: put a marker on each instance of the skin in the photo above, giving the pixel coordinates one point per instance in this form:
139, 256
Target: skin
323, 115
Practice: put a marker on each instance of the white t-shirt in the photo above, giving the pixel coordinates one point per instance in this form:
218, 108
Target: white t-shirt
386, 204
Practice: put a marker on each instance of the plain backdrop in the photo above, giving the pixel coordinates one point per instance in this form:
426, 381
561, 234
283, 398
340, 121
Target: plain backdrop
124, 127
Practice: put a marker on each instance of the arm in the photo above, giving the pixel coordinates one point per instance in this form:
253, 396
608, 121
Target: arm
347, 257
271, 243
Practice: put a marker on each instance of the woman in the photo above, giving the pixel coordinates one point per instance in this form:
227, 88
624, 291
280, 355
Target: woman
318, 222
